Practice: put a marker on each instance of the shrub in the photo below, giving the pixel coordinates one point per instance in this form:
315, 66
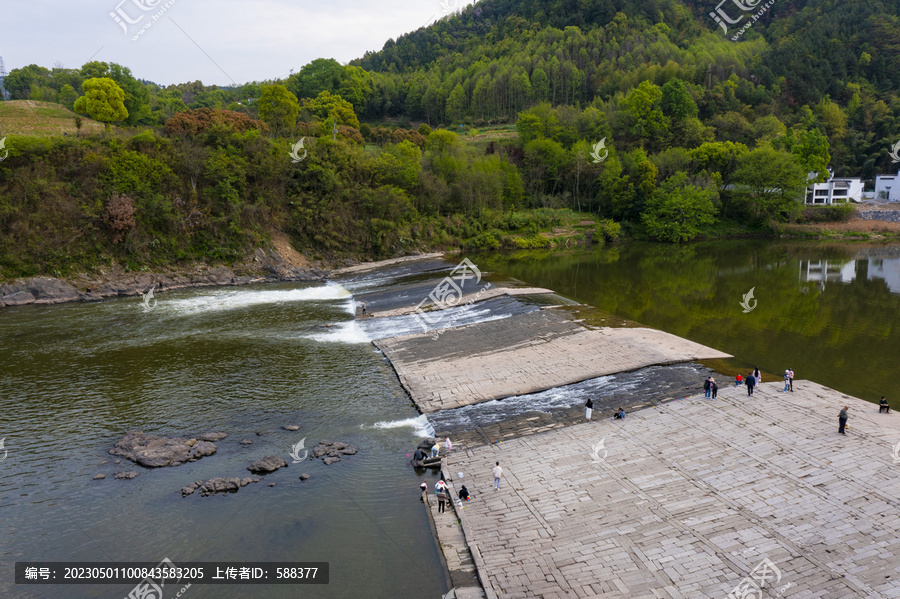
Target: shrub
532, 242
192, 122
119, 216
607, 230
832, 213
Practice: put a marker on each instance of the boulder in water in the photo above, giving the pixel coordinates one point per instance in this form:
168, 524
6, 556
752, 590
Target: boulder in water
331, 452
270, 463
127, 475
219, 484
153, 451
427, 444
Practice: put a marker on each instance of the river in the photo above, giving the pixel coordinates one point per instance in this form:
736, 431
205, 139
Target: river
248, 360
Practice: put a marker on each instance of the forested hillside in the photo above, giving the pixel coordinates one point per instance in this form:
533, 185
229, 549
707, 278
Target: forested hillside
478, 131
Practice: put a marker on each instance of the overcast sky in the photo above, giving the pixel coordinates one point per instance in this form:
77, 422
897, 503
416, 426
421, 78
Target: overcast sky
233, 41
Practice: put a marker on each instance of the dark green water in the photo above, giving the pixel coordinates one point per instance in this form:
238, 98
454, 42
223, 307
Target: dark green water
829, 312
239, 360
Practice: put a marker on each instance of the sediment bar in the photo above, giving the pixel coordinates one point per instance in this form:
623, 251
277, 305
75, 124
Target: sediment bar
687, 498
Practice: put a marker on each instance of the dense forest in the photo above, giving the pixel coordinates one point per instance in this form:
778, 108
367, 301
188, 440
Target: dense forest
641, 113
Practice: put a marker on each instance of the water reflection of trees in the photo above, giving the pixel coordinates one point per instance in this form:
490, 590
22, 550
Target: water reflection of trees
842, 336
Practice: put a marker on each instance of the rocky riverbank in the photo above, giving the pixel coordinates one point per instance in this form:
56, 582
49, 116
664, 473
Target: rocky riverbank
276, 265
264, 267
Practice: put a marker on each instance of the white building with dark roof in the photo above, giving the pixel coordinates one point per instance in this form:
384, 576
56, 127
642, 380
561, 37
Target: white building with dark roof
834, 190
887, 188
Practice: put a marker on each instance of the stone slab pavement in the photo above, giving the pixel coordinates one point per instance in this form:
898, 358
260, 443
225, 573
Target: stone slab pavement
686, 499
452, 542
522, 354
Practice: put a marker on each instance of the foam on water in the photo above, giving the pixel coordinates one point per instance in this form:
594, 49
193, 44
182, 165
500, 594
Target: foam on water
653, 379
342, 332
229, 300
408, 324
420, 426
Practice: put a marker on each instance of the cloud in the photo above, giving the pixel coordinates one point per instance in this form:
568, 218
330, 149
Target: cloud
218, 41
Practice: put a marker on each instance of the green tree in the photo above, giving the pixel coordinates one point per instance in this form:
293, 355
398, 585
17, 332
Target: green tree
356, 86
613, 188
19, 81
278, 108
646, 119
441, 140
398, 165
540, 85
676, 101
676, 210
67, 96
103, 101
772, 181
810, 147
328, 108
320, 75
137, 96
721, 157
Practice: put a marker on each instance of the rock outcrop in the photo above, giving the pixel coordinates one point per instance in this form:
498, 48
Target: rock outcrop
153, 451
270, 463
231, 484
331, 452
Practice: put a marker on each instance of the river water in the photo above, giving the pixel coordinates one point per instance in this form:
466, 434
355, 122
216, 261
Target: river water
830, 312
246, 361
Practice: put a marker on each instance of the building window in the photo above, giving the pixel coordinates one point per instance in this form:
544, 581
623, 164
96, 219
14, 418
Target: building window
840, 192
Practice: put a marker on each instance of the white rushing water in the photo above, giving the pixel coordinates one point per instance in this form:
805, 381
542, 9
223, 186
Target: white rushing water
232, 299
342, 332
419, 427
408, 324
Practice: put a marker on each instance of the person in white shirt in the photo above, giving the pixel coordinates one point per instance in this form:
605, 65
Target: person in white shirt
498, 474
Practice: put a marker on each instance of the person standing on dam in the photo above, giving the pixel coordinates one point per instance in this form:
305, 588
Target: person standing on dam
842, 420
498, 474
